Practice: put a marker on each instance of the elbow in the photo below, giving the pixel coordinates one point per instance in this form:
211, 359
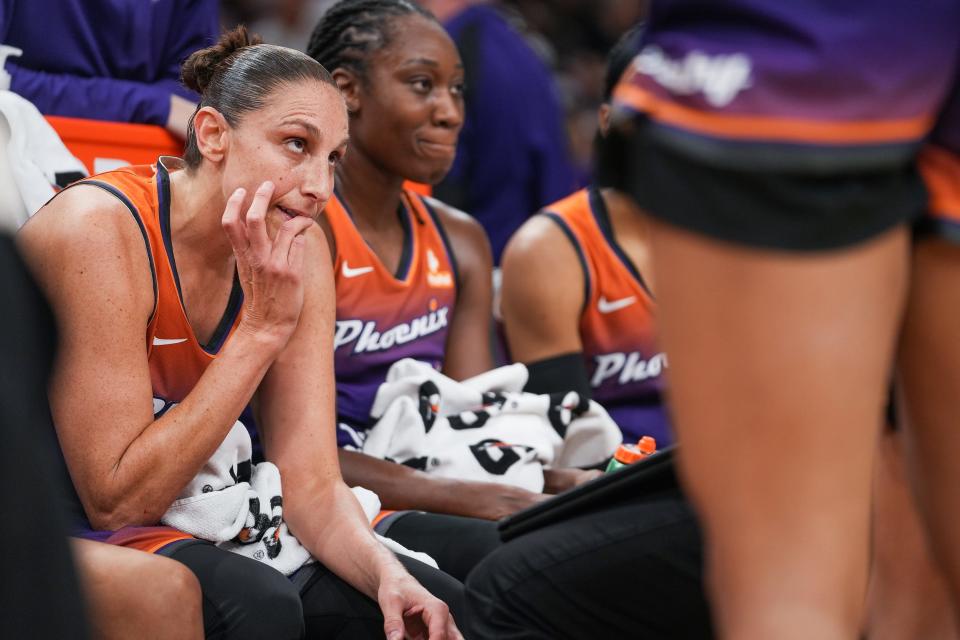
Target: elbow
111, 514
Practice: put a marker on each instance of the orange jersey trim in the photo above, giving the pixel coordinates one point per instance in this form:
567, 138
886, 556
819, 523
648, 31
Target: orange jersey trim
768, 128
941, 173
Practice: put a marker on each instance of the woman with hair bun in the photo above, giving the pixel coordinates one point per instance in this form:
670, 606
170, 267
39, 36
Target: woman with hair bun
184, 282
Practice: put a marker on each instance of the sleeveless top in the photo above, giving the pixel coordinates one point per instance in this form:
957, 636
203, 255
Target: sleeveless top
383, 317
176, 357
625, 367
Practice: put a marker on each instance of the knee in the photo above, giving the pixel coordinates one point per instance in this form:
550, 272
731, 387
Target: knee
177, 599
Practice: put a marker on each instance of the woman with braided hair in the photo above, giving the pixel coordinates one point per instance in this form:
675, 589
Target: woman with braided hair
221, 310
404, 261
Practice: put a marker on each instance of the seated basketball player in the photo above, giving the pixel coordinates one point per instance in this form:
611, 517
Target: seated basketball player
185, 281
402, 260
577, 300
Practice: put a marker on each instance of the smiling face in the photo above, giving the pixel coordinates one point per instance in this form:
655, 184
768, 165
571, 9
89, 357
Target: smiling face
408, 111
295, 140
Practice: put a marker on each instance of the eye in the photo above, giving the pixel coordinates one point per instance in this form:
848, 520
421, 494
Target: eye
421, 85
334, 158
297, 145
458, 89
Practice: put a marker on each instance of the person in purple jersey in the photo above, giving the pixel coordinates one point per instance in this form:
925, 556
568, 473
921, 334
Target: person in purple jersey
776, 147
115, 60
512, 155
413, 274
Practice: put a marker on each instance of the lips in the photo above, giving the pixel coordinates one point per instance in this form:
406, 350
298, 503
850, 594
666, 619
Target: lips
438, 148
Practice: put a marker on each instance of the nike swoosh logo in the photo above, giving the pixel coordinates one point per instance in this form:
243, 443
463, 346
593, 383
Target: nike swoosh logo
159, 342
353, 273
606, 306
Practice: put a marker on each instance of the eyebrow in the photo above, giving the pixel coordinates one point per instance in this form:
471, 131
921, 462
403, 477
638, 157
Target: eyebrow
311, 128
425, 61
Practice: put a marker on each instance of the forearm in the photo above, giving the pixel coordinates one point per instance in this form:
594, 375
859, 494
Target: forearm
170, 451
94, 98
329, 521
400, 487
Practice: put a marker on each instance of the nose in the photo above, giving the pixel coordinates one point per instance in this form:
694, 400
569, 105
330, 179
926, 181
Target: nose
448, 110
318, 182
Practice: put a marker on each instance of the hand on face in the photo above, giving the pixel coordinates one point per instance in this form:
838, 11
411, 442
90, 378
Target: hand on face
270, 271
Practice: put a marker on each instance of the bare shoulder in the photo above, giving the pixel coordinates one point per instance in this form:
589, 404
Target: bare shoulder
87, 236
460, 225
540, 246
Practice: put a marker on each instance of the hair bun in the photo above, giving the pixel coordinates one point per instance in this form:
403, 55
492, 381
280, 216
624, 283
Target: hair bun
198, 70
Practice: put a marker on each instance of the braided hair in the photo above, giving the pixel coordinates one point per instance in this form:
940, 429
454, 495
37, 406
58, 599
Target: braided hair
620, 57
353, 29
236, 75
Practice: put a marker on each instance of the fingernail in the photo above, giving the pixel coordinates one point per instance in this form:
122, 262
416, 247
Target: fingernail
240, 192
266, 185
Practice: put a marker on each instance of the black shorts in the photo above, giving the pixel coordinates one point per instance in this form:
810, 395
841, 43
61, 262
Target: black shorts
784, 128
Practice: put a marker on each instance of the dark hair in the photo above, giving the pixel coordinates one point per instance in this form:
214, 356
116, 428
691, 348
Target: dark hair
351, 30
236, 74
620, 57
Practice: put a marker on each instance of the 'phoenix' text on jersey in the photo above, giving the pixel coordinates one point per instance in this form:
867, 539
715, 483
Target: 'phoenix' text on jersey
369, 340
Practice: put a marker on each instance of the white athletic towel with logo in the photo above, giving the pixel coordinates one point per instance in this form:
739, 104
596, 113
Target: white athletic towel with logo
31, 159
239, 506
485, 428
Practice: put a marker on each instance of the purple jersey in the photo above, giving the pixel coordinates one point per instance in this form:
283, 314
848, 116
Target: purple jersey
383, 317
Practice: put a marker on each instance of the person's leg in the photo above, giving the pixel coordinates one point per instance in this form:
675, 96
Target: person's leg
333, 609
131, 593
779, 364
929, 377
457, 544
631, 571
242, 598
907, 596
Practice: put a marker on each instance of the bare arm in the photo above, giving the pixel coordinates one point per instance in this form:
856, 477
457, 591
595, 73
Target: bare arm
126, 466
542, 293
401, 487
296, 410
468, 349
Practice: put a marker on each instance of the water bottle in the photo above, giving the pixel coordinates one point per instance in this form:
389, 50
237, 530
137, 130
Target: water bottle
629, 453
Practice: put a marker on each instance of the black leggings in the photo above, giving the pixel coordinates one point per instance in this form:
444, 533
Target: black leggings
243, 598
457, 544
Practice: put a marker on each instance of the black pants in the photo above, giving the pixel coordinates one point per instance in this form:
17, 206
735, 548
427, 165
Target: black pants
243, 598
631, 571
457, 544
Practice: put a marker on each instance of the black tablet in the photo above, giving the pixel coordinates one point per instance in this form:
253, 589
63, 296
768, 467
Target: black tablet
652, 475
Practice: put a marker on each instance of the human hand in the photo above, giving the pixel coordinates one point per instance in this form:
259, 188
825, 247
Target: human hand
410, 611
494, 501
270, 272
559, 480
181, 111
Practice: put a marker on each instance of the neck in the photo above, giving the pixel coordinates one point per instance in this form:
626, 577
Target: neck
196, 209
371, 193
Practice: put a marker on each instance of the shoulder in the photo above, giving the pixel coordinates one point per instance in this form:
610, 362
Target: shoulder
539, 244
85, 234
465, 233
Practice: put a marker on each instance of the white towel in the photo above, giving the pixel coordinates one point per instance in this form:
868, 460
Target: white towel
34, 155
484, 428
239, 507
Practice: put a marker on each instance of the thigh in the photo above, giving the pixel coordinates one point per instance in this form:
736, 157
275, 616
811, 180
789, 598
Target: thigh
334, 609
629, 571
457, 544
242, 598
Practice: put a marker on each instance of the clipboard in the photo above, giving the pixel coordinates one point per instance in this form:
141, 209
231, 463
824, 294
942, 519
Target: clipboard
652, 476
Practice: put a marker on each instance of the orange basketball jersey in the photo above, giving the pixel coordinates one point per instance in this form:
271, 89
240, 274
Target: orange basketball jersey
176, 357
383, 316
617, 326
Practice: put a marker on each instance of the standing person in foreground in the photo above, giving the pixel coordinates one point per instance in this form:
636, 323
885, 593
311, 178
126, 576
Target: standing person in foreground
405, 261
219, 310
577, 300
788, 287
